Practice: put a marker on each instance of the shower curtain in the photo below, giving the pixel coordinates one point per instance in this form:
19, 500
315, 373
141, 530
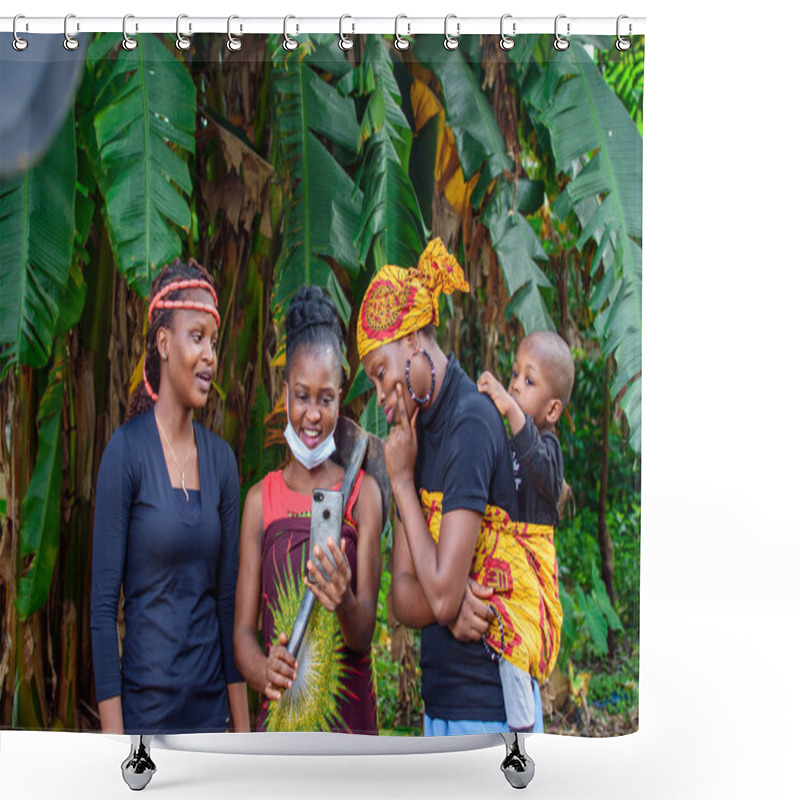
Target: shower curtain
279, 167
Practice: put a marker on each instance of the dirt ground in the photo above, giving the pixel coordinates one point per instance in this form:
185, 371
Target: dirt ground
596, 723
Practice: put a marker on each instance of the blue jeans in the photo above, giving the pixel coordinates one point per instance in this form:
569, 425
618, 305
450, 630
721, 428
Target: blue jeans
461, 727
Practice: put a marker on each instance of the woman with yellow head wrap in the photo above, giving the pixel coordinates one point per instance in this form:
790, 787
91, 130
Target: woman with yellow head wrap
400, 301
447, 442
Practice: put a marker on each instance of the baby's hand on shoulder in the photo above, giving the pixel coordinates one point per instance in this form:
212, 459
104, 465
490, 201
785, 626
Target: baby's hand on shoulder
489, 385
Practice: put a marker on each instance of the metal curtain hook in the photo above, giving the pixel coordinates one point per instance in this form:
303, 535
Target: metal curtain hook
345, 42
127, 42
451, 42
182, 42
234, 43
623, 43
70, 42
400, 42
506, 42
288, 43
560, 43
19, 43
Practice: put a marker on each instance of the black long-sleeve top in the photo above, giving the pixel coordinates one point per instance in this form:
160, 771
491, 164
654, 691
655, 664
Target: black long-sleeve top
538, 473
177, 562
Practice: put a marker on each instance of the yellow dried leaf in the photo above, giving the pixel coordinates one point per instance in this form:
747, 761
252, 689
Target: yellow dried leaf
136, 375
448, 173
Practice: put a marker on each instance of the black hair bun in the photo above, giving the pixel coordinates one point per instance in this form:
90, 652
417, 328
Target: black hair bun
310, 307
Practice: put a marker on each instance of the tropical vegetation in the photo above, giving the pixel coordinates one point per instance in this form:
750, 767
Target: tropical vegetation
277, 169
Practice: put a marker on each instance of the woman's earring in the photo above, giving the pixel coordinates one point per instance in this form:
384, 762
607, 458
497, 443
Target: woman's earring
420, 401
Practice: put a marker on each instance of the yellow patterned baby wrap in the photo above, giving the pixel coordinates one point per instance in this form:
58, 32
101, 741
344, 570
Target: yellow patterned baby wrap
518, 561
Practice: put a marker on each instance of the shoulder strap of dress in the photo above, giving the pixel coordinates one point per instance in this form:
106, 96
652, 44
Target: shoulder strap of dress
270, 499
348, 512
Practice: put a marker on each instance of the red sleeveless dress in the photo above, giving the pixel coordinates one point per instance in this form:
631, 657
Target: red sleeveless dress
335, 688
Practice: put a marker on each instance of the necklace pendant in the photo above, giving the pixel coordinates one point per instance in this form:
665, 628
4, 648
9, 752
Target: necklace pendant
183, 486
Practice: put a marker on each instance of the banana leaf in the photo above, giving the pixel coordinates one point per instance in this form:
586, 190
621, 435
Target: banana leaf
518, 249
41, 509
144, 125
323, 204
482, 152
373, 420
596, 142
391, 211
469, 114
37, 229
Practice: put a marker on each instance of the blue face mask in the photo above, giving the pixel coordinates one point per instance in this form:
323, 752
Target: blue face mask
307, 456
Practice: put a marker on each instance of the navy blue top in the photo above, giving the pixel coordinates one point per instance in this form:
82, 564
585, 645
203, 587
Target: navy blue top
538, 473
463, 452
176, 562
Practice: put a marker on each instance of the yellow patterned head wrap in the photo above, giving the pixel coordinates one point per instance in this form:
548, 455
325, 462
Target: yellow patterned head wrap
400, 301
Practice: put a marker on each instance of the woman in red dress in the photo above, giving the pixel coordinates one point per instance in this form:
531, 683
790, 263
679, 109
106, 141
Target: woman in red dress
329, 686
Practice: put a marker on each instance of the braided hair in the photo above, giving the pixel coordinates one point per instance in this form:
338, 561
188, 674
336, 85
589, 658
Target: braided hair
312, 322
162, 318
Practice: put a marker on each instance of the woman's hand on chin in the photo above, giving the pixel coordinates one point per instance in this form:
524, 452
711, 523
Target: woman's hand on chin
400, 450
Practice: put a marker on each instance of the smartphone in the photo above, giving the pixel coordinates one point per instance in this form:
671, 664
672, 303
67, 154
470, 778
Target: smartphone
326, 522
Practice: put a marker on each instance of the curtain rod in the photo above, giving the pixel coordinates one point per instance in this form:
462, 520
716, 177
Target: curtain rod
348, 25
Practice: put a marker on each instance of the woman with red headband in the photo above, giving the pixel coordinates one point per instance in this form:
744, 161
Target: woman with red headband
166, 533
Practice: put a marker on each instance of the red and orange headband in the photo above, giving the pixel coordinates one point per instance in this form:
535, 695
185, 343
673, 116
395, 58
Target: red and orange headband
159, 302
194, 283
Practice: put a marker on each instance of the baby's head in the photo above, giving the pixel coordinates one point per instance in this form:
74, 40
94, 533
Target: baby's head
542, 377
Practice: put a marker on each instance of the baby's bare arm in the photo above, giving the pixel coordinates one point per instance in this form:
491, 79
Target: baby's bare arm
504, 402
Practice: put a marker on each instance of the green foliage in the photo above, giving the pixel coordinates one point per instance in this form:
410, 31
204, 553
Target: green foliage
583, 593
384, 668
518, 249
624, 73
41, 508
613, 686
144, 122
391, 222
587, 619
481, 147
258, 460
616, 692
37, 229
323, 201
597, 144
624, 524
469, 114
582, 446
359, 385
372, 419
587, 610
